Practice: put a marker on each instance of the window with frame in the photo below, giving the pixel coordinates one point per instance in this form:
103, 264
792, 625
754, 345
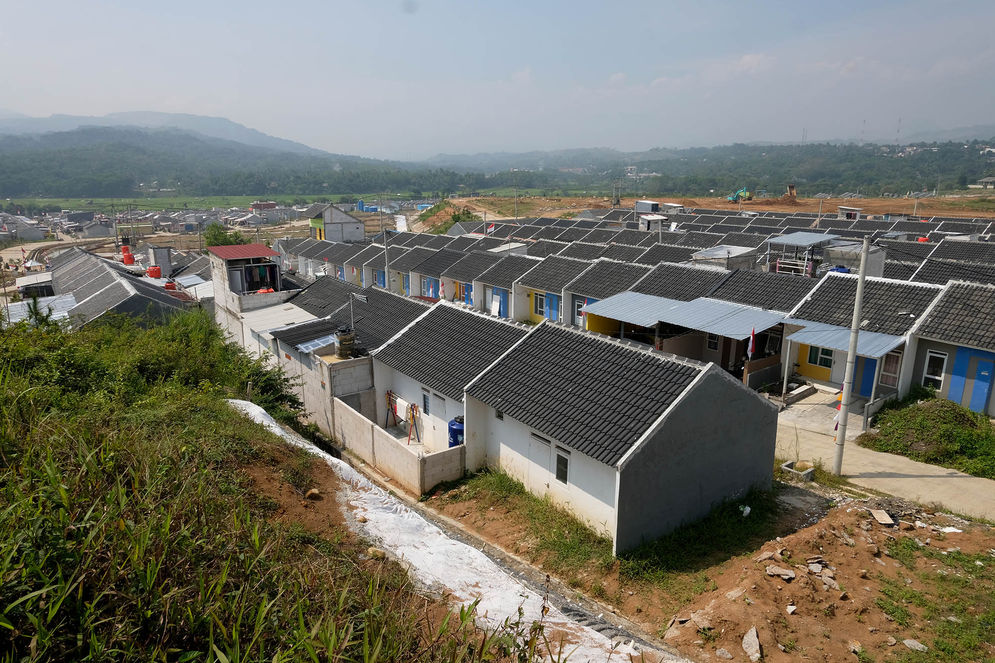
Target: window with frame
712, 341
538, 303
936, 366
820, 356
425, 400
498, 414
562, 464
426, 287
890, 366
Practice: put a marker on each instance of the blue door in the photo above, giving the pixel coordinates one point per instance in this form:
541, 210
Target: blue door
503, 298
867, 378
982, 386
378, 277
552, 306
468, 294
407, 284
341, 273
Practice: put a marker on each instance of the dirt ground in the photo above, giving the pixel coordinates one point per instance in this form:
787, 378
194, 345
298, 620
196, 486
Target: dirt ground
830, 610
556, 207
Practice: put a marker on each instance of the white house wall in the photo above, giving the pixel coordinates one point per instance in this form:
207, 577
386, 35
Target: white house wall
432, 427
589, 493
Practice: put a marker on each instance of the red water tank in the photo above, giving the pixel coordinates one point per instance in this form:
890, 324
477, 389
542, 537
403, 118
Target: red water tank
128, 259
170, 285
923, 239
154, 272
125, 250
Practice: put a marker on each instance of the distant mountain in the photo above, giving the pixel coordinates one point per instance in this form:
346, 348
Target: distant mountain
98, 161
215, 127
7, 114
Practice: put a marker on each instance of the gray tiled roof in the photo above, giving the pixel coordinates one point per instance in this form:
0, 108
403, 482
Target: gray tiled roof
380, 317
768, 290
438, 262
463, 243
315, 249
964, 315
623, 252
658, 253
606, 278
682, 282
751, 240
889, 307
633, 237
553, 273
942, 271
488, 243
393, 253
548, 232
571, 234
582, 251
471, 266
438, 241
411, 259
545, 247
525, 232
324, 296
578, 388
504, 273
601, 236
906, 251
448, 347
977, 252
369, 251
898, 270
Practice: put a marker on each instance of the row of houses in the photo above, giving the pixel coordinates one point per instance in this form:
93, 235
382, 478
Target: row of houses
616, 432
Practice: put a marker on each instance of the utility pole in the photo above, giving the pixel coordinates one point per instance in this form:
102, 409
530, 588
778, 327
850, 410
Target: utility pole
386, 262
851, 359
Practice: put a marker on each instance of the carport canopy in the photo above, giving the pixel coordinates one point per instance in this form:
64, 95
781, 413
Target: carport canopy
869, 344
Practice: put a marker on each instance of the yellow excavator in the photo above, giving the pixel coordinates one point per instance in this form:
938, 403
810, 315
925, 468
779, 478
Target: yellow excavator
742, 194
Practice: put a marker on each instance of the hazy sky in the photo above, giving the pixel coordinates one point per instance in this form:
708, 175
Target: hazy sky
412, 78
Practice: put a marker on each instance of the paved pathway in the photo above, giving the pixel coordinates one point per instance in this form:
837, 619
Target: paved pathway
805, 433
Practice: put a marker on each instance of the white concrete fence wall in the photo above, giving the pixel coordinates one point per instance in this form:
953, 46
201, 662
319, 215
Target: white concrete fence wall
415, 472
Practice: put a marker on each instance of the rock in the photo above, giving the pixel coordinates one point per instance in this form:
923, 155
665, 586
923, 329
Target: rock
844, 596
763, 557
891, 642
915, 645
815, 568
953, 619
312, 494
854, 646
872, 629
862, 573
701, 620
785, 574
751, 644
376, 553
734, 594
360, 519
906, 525
723, 653
873, 549
672, 633
882, 517
791, 609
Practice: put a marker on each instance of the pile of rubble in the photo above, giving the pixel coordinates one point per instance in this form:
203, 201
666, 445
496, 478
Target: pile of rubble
816, 590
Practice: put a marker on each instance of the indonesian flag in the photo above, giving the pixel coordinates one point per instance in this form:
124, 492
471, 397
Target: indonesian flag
353, 271
752, 347
23, 252
442, 289
490, 229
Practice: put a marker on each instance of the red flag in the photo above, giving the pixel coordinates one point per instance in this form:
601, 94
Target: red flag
442, 289
753, 343
490, 229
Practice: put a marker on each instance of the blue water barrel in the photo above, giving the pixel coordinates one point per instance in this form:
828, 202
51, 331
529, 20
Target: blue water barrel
456, 432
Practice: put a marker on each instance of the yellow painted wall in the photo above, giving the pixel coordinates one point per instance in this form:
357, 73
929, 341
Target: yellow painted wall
532, 316
602, 325
813, 371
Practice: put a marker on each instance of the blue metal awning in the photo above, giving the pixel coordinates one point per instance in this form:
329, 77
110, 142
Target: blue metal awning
869, 344
712, 316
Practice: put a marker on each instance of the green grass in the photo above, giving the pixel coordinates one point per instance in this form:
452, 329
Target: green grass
128, 529
676, 562
939, 432
566, 543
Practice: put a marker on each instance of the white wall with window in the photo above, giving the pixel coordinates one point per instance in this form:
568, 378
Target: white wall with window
435, 409
547, 468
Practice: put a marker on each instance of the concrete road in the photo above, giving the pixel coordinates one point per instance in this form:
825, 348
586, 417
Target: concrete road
888, 473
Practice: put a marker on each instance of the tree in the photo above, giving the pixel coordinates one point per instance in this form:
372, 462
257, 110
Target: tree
216, 235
